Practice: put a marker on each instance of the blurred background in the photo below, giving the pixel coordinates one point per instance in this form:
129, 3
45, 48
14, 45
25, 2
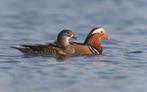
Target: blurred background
122, 67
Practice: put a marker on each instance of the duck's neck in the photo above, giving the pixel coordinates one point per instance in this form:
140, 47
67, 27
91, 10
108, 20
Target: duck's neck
94, 41
63, 42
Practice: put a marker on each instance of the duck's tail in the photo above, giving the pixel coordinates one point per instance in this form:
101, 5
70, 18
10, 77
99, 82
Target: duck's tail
23, 50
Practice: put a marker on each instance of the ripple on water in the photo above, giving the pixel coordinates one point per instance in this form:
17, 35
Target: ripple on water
136, 52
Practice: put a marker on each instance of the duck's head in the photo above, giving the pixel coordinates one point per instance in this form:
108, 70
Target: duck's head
64, 36
101, 32
94, 37
96, 33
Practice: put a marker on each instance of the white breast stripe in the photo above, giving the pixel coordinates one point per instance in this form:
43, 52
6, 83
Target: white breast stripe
94, 51
91, 50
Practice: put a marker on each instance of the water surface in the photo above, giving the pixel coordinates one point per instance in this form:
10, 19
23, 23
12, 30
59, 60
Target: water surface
121, 68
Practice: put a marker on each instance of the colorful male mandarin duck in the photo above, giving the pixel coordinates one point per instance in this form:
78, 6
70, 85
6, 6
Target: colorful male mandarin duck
92, 44
61, 47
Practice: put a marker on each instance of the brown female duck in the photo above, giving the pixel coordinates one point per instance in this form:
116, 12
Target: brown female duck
61, 47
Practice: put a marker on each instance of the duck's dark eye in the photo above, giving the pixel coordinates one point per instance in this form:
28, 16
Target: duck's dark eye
101, 31
67, 33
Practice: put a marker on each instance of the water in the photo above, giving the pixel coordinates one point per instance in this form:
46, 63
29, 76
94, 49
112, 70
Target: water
122, 67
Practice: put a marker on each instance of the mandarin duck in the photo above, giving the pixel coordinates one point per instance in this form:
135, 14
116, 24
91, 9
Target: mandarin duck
92, 44
61, 47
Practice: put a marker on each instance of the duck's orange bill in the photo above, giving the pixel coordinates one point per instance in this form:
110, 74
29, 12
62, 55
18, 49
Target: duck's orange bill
105, 36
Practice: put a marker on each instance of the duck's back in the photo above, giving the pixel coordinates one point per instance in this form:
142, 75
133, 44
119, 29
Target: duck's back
40, 49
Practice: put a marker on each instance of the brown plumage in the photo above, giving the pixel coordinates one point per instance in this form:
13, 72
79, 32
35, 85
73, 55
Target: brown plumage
61, 47
92, 44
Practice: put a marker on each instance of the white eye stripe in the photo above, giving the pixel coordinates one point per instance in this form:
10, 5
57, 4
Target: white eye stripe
98, 30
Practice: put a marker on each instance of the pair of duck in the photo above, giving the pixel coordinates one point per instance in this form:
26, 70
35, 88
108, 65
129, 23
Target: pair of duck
63, 47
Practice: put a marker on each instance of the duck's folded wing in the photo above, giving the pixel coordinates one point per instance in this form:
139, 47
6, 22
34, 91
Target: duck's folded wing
40, 50
38, 47
82, 49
